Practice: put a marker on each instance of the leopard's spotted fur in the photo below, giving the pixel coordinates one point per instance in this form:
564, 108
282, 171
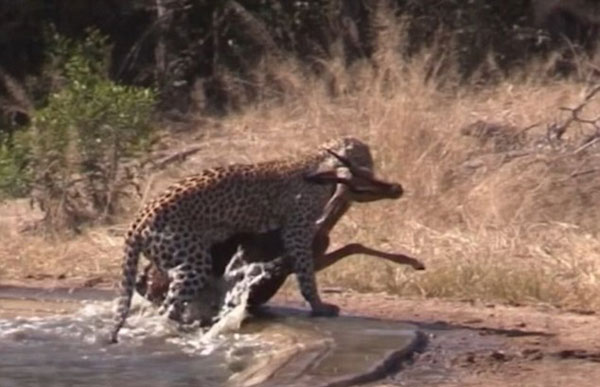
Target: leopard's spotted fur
176, 230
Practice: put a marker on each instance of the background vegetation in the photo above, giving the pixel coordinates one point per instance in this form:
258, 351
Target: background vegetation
484, 110
70, 159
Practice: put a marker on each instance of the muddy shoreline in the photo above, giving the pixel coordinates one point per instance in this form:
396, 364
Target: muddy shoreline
462, 343
484, 344
348, 350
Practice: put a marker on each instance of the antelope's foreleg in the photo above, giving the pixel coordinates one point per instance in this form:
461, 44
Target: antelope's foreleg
326, 260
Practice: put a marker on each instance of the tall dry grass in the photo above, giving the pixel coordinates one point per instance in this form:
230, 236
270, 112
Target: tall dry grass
504, 216
488, 225
509, 216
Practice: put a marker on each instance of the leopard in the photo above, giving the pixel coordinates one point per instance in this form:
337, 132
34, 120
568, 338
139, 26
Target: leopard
176, 229
261, 253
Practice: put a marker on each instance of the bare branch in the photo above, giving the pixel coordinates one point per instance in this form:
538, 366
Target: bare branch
576, 111
177, 157
587, 144
586, 172
255, 28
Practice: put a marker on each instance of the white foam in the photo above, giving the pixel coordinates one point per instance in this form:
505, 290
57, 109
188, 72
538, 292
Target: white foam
91, 323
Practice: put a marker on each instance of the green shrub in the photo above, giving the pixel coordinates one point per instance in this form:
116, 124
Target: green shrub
79, 140
15, 174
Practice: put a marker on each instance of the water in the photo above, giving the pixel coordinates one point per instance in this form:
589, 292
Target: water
56, 339
69, 350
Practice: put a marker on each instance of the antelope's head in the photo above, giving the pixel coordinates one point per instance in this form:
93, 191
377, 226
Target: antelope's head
353, 172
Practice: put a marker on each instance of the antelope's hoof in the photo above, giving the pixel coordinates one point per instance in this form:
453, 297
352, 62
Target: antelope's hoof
418, 265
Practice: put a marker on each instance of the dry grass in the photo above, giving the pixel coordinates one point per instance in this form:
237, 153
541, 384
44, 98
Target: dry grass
489, 224
518, 230
504, 220
27, 255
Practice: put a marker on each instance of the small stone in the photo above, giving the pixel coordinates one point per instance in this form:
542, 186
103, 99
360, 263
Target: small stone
499, 356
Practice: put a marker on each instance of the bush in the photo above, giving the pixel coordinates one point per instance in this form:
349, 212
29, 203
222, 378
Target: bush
79, 140
15, 175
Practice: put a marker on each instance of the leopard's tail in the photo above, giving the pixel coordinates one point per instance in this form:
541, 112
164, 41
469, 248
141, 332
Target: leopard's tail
133, 249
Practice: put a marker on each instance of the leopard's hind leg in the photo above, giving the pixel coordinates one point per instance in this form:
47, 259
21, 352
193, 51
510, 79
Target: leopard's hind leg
186, 280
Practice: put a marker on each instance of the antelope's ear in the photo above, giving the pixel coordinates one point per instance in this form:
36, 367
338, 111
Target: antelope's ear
328, 174
325, 176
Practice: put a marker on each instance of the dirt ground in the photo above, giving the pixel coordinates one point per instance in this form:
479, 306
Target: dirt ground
474, 344
468, 343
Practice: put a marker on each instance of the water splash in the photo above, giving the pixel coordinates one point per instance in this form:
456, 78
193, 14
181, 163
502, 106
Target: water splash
90, 323
152, 350
230, 293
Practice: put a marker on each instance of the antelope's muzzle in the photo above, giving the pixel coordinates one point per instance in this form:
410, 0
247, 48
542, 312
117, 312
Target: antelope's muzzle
371, 189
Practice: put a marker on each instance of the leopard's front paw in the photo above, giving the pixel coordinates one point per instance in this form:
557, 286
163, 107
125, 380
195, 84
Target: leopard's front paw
324, 309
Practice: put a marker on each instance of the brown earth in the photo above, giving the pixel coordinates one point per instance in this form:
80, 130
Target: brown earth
476, 344
468, 343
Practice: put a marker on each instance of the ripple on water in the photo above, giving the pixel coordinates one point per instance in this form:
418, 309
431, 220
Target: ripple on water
69, 350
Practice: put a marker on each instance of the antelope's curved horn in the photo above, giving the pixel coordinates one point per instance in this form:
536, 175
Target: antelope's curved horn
344, 161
